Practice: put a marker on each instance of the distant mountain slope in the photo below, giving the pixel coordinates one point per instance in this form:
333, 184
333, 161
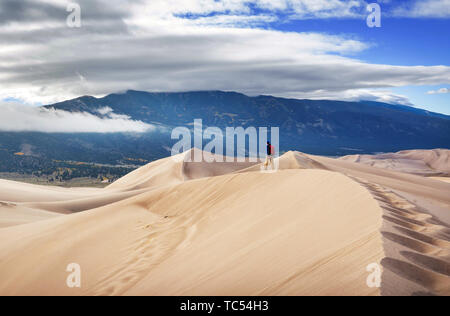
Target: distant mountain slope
323, 127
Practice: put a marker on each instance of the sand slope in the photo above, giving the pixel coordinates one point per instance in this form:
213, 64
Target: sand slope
422, 162
445, 179
180, 228
416, 230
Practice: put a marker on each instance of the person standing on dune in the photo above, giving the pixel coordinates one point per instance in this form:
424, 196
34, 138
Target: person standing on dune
270, 154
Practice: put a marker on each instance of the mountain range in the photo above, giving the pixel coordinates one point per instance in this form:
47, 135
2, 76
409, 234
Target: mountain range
315, 126
325, 127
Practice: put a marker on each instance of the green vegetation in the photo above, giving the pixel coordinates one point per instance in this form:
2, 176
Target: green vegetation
54, 172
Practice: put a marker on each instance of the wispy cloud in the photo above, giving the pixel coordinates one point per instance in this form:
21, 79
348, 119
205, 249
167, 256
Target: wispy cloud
296, 8
440, 91
379, 95
423, 9
21, 118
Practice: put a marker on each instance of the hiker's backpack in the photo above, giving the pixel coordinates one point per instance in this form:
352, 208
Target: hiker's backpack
272, 150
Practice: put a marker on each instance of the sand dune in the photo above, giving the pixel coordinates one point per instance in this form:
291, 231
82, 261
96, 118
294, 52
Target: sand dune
421, 162
23, 192
163, 172
445, 179
11, 214
179, 228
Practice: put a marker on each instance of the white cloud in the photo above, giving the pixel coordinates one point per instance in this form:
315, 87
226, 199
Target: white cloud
298, 8
252, 61
385, 96
21, 118
424, 9
146, 45
105, 110
440, 91
234, 20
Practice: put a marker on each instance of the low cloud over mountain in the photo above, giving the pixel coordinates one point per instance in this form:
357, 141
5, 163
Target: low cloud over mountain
19, 118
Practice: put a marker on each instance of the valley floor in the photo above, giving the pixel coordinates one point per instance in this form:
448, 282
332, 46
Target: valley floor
43, 180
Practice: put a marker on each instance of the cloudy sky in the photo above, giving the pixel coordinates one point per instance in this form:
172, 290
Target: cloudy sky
321, 49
